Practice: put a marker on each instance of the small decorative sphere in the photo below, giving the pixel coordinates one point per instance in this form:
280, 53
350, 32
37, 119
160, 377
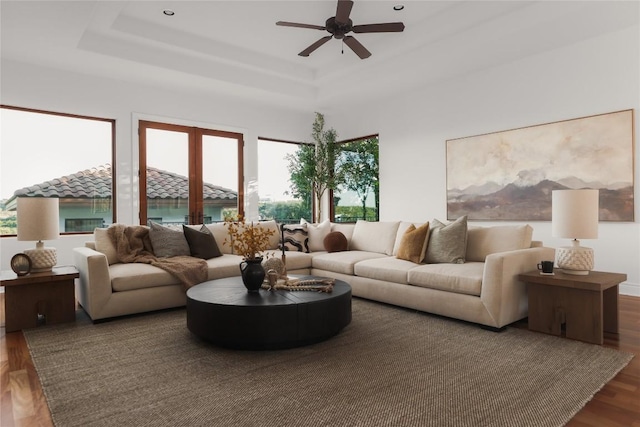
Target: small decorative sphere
274, 264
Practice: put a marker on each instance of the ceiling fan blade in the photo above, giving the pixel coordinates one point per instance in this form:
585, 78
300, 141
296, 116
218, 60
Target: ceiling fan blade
295, 24
389, 27
343, 11
355, 46
314, 46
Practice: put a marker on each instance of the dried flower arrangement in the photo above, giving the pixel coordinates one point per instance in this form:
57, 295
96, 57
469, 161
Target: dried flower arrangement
247, 240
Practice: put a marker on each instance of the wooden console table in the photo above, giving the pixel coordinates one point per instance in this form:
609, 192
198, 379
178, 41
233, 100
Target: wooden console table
39, 298
586, 305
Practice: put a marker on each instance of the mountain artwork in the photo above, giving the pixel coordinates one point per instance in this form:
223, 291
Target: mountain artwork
510, 175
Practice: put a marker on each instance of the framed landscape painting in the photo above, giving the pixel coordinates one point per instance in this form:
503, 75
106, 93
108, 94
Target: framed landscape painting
510, 175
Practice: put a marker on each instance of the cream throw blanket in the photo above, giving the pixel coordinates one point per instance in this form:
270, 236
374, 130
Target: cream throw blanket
133, 245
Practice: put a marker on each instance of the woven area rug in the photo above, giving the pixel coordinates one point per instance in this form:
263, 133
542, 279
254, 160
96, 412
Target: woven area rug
390, 366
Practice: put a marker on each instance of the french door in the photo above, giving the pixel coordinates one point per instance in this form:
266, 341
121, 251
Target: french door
189, 175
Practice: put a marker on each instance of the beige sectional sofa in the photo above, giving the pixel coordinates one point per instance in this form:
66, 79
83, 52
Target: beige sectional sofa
484, 289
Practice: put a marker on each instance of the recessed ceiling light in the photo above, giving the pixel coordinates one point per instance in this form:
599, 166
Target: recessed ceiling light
168, 12
398, 7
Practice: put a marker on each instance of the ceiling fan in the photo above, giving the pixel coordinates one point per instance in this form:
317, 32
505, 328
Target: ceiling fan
340, 25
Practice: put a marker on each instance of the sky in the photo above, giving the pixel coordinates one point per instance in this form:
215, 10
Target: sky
23, 135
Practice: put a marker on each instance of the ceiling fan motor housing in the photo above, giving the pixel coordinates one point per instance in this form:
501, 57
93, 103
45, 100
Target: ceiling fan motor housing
338, 29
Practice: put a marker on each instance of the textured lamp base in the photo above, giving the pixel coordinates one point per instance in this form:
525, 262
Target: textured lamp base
575, 260
42, 259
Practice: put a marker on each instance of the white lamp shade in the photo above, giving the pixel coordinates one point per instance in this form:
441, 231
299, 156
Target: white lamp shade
574, 214
38, 218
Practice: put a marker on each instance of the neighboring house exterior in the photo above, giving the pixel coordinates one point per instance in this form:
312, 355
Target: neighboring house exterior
86, 202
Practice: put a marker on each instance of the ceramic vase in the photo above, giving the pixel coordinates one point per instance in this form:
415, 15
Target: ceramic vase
252, 274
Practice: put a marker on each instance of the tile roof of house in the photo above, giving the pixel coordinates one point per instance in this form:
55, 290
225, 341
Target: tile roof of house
96, 183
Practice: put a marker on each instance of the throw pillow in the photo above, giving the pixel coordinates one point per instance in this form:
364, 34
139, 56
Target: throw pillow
413, 246
317, 233
447, 243
296, 238
335, 241
105, 245
167, 242
201, 242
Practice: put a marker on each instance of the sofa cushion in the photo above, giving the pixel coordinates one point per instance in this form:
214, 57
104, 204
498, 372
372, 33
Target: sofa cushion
274, 239
459, 278
299, 260
103, 244
413, 246
341, 262
296, 238
388, 269
225, 266
130, 276
317, 233
483, 241
167, 242
374, 236
335, 241
221, 234
447, 243
345, 228
201, 242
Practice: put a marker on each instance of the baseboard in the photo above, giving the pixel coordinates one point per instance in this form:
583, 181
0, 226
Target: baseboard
632, 289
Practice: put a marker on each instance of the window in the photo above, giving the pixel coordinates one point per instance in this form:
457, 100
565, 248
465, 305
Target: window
79, 225
57, 155
192, 175
278, 198
359, 197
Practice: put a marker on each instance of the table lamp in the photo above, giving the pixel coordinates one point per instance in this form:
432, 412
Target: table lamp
574, 215
38, 220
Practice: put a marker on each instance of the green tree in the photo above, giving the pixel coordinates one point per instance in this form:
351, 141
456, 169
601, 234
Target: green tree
358, 161
312, 166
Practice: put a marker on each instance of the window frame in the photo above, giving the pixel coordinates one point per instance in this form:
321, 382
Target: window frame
332, 208
114, 199
195, 136
268, 139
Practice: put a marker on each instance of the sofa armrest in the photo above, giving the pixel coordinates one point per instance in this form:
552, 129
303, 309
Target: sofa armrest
94, 290
503, 295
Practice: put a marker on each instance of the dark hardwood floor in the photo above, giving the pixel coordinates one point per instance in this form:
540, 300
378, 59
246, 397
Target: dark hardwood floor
616, 405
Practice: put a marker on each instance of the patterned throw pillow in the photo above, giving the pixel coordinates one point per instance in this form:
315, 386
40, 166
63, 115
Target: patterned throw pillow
201, 242
447, 243
167, 242
296, 238
317, 233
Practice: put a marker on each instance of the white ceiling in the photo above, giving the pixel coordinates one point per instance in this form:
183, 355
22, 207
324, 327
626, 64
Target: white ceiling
235, 46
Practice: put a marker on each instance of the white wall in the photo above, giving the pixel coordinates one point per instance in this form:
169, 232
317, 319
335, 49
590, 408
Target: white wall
34, 87
596, 76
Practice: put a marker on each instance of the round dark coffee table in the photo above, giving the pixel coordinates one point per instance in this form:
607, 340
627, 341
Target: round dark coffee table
224, 313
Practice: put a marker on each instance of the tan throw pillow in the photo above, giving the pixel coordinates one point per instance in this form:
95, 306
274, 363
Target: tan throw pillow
447, 243
414, 243
105, 245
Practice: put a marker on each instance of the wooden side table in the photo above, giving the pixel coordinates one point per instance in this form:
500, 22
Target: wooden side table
39, 298
586, 305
